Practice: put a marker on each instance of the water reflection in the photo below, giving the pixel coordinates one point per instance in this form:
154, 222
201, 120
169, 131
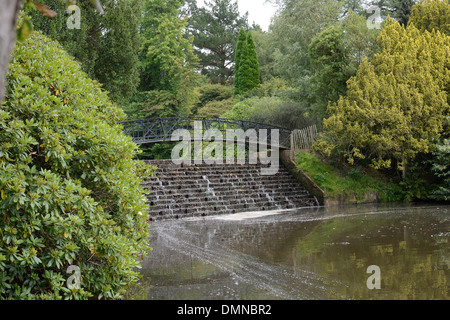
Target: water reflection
320, 253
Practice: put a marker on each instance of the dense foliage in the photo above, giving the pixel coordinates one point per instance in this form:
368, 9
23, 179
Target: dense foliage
396, 104
106, 44
240, 46
215, 29
167, 63
70, 192
382, 101
432, 15
294, 26
214, 100
247, 76
70, 189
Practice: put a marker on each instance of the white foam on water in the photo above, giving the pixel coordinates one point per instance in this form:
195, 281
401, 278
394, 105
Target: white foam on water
249, 215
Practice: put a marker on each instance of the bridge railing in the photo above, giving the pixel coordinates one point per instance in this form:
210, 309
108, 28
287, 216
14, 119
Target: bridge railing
161, 129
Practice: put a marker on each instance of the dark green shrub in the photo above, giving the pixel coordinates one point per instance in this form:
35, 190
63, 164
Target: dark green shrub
270, 110
69, 188
212, 94
215, 109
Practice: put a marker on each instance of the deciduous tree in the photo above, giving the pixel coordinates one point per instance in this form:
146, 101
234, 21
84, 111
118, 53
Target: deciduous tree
106, 44
336, 54
168, 61
296, 23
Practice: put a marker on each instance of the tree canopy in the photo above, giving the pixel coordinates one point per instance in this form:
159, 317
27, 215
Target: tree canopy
167, 61
396, 104
432, 15
106, 44
215, 29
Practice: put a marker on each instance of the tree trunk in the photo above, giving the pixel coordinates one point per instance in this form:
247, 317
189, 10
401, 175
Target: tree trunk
8, 16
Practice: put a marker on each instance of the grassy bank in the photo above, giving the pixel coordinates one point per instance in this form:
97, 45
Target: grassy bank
345, 181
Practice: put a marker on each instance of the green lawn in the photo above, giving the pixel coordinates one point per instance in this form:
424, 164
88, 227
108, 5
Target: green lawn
336, 182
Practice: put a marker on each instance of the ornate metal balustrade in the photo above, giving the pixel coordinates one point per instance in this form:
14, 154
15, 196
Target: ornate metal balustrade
161, 129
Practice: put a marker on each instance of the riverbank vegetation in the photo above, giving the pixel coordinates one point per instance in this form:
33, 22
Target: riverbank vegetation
349, 183
377, 86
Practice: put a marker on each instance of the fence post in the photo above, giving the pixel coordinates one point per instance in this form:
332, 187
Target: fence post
292, 146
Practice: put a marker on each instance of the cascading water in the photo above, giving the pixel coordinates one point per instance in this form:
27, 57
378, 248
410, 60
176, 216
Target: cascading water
203, 190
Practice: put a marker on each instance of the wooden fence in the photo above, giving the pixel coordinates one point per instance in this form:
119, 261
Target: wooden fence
303, 139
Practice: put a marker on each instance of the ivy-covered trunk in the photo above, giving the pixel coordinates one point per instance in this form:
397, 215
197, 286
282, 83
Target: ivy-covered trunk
8, 17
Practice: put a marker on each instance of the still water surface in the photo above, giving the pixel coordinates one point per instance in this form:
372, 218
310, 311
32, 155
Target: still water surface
320, 253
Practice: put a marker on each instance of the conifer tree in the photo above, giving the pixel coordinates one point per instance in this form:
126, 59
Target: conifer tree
215, 28
432, 14
248, 73
396, 104
252, 57
242, 40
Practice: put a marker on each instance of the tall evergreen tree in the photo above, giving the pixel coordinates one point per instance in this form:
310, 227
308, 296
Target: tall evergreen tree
241, 44
252, 60
248, 73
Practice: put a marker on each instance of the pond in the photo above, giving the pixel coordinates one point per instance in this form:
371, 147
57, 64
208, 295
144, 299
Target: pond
395, 251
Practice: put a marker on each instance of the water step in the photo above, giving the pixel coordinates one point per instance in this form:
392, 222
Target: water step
201, 190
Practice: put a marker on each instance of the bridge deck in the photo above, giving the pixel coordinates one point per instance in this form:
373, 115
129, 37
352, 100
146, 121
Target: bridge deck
162, 129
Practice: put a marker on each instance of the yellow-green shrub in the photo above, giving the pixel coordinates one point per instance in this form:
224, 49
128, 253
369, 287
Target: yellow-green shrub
396, 104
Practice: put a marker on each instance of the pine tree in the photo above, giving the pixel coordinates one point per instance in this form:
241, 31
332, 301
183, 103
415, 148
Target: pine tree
215, 29
242, 40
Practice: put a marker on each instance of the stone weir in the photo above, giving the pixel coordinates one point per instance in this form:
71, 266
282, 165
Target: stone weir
203, 190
